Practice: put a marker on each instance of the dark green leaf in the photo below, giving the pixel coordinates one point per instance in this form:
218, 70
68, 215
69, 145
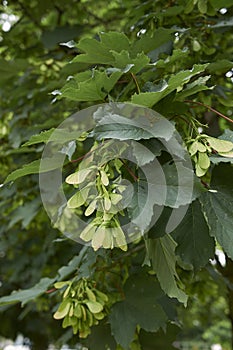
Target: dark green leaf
217, 206
101, 338
119, 127
182, 186
160, 340
148, 43
161, 251
140, 307
195, 246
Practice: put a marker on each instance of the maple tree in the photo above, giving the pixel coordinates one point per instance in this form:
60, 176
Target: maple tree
156, 81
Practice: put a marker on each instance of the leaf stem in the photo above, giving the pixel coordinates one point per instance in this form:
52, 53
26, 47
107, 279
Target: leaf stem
130, 171
136, 82
211, 109
80, 158
51, 290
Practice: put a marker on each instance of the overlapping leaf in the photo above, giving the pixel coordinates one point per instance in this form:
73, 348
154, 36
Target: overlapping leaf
140, 307
111, 125
217, 207
161, 252
94, 88
195, 246
149, 99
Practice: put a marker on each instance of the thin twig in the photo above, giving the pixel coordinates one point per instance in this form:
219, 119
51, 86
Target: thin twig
81, 158
211, 109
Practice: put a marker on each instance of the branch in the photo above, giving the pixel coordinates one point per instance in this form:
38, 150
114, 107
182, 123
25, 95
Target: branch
211, 109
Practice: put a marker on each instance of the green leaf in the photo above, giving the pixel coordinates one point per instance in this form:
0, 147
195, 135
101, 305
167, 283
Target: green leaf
99, 51
219, 159
189, 6
140, 307
37, 166
160, 340
94, 88
142, 154
143, 204
69, 149
217, 207
193, 88
227, 135
171, 11
159, 229
55, 135
42, 137
123, 59
26, 295
27, 169
196, 45
182, 186
161, 252
176, 56
148, 43
161, 186
101, 338
218, 4
195, 246
227, 101
111, 125
121, 132
149, 99
220, 66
